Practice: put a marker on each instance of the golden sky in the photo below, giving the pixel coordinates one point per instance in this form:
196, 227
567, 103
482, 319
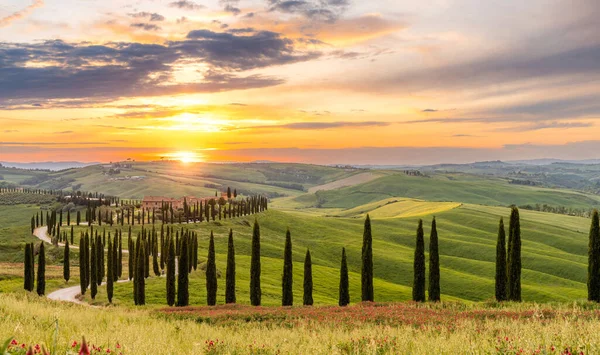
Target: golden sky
323, 81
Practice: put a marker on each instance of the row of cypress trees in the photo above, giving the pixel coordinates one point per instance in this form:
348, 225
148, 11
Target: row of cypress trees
29, 269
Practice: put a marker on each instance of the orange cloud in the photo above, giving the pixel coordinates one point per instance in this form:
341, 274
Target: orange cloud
22, 13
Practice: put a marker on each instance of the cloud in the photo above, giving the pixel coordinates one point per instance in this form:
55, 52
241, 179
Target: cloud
186, 5
63, 132
429, 110
98, 72
326, 125
153, 17
10, 131
321, 10
146, 26
231, 6
21, 13
547, 125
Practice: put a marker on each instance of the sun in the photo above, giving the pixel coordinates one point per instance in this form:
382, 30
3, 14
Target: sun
185, 157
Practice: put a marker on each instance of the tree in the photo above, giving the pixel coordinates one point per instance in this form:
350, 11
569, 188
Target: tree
120, 257
434, 265
255, 290
308, 282
78, 217
230, 273
211, 273
344, 299
287, 296
593, 282
514, 257
367, 263
94, 269
32, 224
501, 263
140, 274
155, 266
28, 280
418, 292
182, 277
41, 273
110, 271
229, 192
82, 280
171, 273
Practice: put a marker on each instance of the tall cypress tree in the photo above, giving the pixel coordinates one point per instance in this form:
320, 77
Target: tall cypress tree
514, 257
99, 260
195, 253
287, 295
183, 297
120, 257
418, 292
28, 281
308, 282
255, 290
140, 274
230, 273
344, 298
32, 266
593, 282
171, 273
211, 273
130, 257
115, 258
110, 271
501, 263
155, 266
94, 270
41, 274
82, 281
434, 265
366, 278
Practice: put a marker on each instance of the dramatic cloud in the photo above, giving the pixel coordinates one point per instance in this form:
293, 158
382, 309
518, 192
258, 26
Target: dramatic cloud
22, 13
147, 15
321, 10
81, 70
146, 26
186, 5
327, 125
231, 6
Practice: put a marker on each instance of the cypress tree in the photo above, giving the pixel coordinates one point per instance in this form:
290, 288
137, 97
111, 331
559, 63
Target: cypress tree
367, 263
230, 273
28, 282
195, 253
514, 257
593, 282
434, 265
78, 217
41, 274
130, 257
110, 271
66, 263
287, 296
171, 273
32, 224
211, 273
501, 263
182, 276
120, 257
94, 270
418, 293
344, 299
99, 260
255, 290
308, 282
140, 274
82, 281
115, 258
32, 266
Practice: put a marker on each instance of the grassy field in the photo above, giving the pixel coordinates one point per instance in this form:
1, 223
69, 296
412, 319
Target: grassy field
447, 187
554, 255
396, 329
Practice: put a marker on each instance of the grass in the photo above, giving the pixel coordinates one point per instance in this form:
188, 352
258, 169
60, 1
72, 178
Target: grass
361, 329
554, 255
455, 187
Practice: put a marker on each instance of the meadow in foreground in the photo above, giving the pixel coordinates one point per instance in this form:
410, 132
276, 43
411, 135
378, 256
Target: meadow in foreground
407, 328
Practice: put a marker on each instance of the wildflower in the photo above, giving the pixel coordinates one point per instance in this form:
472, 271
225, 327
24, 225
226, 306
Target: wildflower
14, 342
74, 344
84, 350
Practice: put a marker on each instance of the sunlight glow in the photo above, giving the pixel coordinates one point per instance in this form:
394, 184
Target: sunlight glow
185, 157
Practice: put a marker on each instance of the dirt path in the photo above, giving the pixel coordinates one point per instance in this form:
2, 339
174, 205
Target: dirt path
349, 181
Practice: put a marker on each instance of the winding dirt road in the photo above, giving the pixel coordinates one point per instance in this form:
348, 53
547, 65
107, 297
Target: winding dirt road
70, 294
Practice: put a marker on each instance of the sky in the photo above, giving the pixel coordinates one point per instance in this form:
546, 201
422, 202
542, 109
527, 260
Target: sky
315, 81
